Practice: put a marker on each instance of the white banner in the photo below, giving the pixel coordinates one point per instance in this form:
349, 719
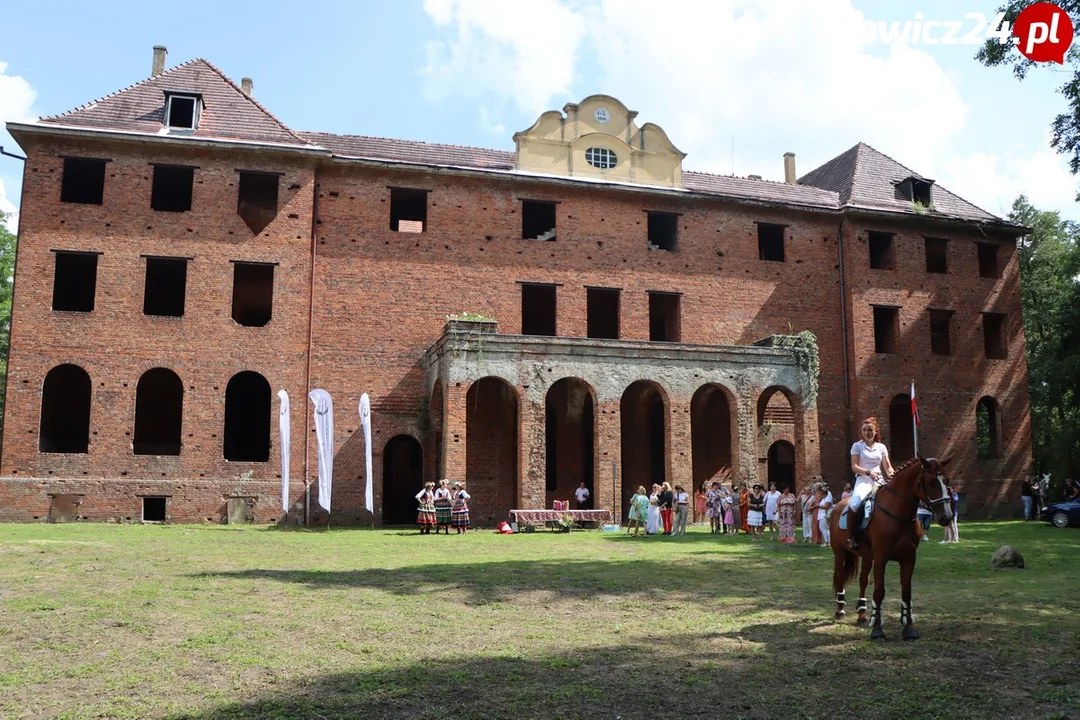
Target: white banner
365, 422
324, 433
283, 430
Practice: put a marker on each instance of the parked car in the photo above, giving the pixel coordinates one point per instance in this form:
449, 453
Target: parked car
1063, 514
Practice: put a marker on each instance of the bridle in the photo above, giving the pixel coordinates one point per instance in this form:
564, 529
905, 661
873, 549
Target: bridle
924, 472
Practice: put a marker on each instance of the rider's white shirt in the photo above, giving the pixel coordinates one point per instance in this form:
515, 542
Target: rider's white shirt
870, 456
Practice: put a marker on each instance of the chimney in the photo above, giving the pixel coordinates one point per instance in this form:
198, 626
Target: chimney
160, 51
789, 168
754, 177
245, 85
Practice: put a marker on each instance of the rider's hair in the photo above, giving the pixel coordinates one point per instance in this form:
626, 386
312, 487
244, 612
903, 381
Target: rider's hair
872, 421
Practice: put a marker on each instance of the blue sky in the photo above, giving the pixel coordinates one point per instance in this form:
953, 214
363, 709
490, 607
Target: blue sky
763, 77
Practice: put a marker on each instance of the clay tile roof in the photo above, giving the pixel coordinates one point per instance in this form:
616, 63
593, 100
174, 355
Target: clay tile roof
866, 178
411, 151
227, 112
761, 190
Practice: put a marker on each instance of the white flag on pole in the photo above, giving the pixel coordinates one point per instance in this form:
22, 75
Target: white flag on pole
365, 422
283, 430
324, 434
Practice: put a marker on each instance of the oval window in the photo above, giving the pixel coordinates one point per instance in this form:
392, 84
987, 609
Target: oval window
601, 158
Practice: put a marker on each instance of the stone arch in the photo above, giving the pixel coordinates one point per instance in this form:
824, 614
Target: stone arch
644, 433
159, 410
491, 449
247, 418
714, 433
65, 411
403, 477
901, 440
776, 406
570, 434
988, 428
781, 467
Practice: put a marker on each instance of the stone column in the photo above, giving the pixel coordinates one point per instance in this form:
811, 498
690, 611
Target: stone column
532, 454
455, 426
608, 451
680, 445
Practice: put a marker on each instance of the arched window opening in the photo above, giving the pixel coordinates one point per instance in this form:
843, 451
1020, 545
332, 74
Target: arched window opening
987, 432
65, 411
159, 409
247, 418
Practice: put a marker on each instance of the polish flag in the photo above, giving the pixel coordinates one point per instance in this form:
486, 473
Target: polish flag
914, 407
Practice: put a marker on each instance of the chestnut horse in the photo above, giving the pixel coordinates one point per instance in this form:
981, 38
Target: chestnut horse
893, 534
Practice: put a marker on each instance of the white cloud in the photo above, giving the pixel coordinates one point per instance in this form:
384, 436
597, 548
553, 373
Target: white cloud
16, 104
524, 54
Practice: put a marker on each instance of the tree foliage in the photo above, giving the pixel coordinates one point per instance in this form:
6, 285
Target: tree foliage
7, 271
1065, 130
1050, 290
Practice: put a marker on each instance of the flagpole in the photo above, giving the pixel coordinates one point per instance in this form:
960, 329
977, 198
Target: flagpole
914, 423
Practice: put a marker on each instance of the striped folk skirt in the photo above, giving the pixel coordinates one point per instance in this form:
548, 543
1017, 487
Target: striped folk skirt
442, 512
425, 515
460, 515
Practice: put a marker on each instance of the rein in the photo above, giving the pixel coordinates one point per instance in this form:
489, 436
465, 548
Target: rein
914, 501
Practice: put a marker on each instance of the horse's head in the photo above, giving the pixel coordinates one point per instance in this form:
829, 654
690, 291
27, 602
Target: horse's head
932, 488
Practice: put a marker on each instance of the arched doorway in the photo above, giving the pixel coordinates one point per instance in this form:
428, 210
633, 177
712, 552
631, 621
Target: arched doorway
491, 449
65, 411
403, 477
711, 422
782, 464
643, 412
901, 440
159, 410
247, 418
569, 428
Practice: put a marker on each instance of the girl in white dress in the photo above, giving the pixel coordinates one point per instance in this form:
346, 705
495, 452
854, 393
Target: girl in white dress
652, 527
870, 463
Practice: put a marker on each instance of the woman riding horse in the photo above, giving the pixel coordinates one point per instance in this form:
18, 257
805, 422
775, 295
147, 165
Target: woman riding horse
892, 535
869, 459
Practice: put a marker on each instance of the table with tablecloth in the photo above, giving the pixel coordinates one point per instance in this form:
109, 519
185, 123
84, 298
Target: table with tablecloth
540, 517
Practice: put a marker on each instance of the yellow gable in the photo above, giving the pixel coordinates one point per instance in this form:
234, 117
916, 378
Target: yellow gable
598, 138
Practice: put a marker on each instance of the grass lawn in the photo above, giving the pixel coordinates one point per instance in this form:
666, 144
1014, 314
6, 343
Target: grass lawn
208, 622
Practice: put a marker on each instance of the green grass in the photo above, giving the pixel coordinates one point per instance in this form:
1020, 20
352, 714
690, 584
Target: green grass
207, 622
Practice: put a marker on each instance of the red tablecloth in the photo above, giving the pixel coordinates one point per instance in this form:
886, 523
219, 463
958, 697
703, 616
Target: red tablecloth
539, 517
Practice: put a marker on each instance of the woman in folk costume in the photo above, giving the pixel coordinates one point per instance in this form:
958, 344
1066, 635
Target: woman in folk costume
870, 463
443, 507
654, 524
459, 514
425, 514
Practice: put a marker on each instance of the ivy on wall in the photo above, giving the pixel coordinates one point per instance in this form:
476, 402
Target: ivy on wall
804, 347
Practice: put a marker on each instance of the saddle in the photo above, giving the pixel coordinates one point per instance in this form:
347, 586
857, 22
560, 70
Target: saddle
867, 510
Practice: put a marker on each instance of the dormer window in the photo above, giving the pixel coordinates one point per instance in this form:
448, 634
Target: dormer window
918, 190
181, 112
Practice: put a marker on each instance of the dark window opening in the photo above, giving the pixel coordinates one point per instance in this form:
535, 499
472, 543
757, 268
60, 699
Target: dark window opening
770, 241
664, 323
921, 192
153, 509
986, 429
258, 199
663, 231
882, 255
940, 322
408, 210
538, 220
937, 255
171, 191
988, 260
166, 284
181, 112
994, 336
75, 282
253, 294
247, 418
159, 410
83, 181
538, 310
602, 309
65, 411
886, 329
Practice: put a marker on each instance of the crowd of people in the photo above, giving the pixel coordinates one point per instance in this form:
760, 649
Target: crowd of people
1036, 494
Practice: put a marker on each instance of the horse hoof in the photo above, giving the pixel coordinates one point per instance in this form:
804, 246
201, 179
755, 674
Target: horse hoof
877, 634
839, 614
862, 622
910, 633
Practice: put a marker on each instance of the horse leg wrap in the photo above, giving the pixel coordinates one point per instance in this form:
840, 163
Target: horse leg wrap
840, 598
905, 614
861, 605
875, 613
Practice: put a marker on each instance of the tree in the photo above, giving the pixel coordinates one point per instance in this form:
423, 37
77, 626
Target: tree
1065, 130
1050, 292
7, 272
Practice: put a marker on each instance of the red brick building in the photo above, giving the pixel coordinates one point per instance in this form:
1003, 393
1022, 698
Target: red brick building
183, 256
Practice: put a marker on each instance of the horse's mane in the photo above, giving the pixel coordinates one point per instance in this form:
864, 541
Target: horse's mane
904, 465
